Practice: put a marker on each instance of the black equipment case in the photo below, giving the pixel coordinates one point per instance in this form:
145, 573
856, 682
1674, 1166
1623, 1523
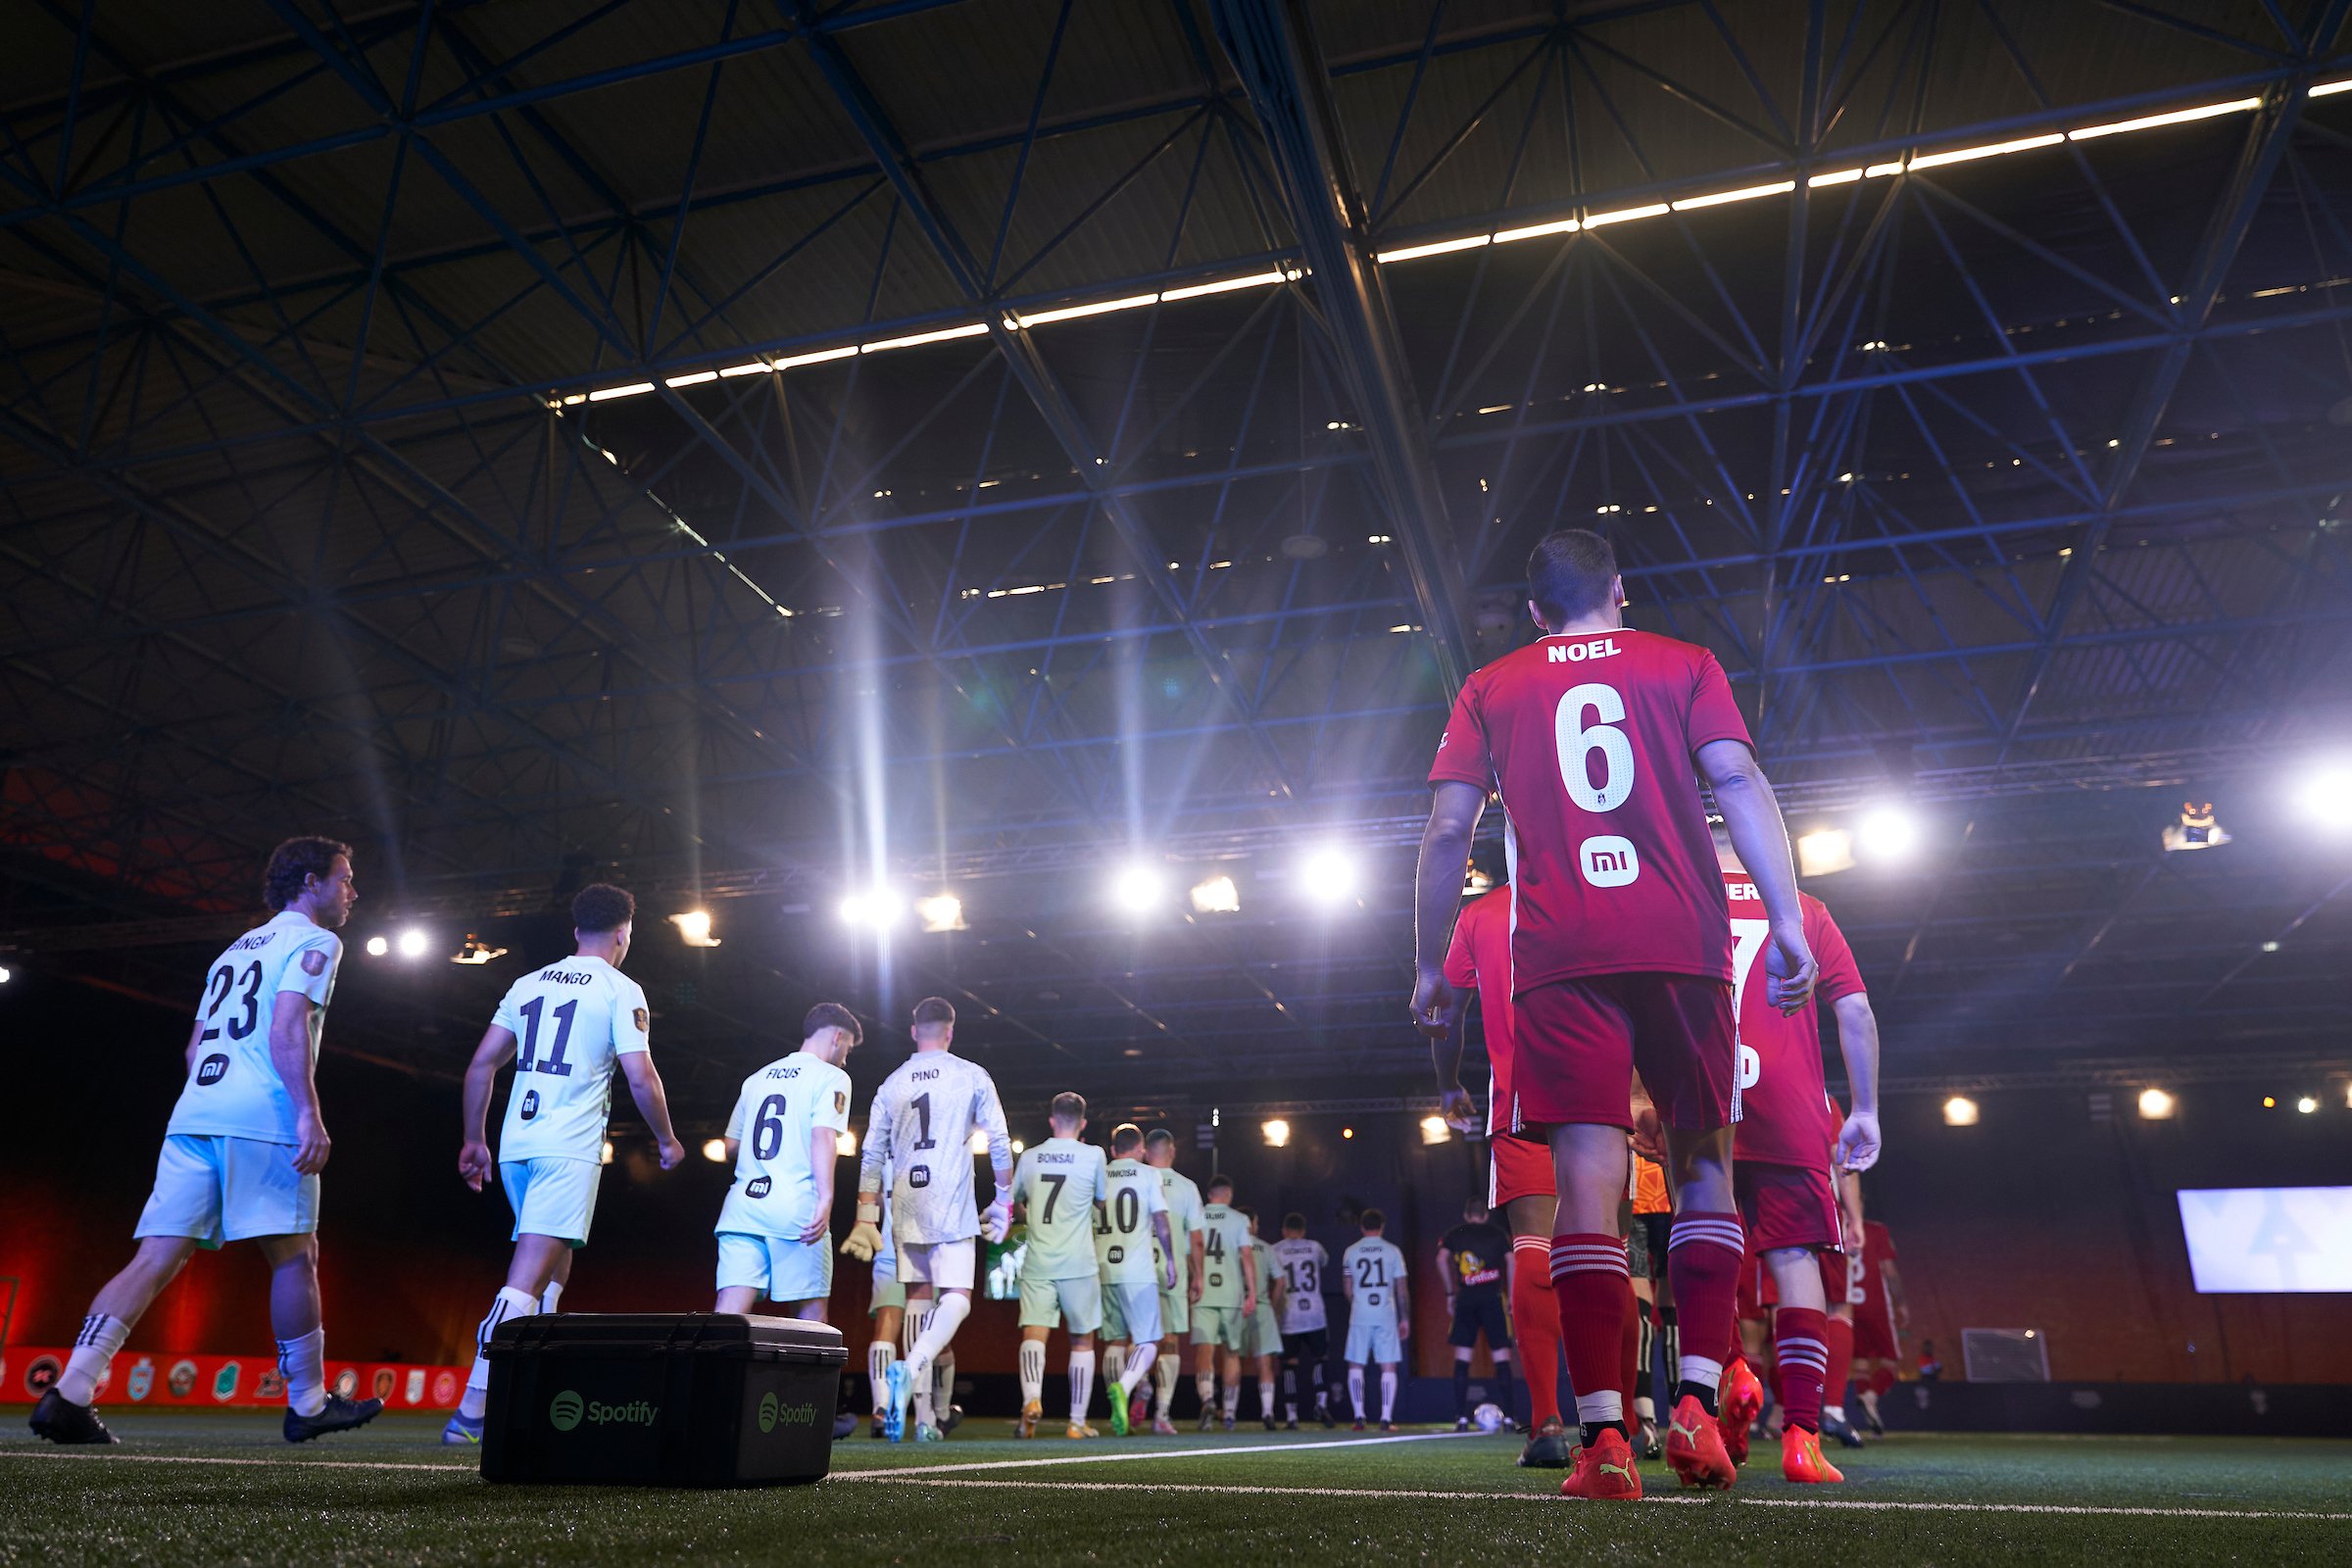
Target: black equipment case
662, 1398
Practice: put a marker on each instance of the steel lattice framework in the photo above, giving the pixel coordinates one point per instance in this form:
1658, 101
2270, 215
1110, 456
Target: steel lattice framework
763, 447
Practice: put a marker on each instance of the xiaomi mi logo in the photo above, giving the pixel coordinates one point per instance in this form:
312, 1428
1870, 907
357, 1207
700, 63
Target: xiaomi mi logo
1607, 860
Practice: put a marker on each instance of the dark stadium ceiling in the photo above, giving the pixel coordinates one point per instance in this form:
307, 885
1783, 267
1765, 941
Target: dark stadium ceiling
446, 427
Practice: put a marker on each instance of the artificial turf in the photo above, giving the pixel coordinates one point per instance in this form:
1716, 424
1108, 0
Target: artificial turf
390, 1495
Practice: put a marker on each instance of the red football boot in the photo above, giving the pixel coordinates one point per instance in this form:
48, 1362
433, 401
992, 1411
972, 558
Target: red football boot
1694, 1447
1605, 1471
1742, 1397
1801, 1458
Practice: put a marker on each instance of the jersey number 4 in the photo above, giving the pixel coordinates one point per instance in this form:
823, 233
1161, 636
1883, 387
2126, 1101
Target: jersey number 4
554, 1063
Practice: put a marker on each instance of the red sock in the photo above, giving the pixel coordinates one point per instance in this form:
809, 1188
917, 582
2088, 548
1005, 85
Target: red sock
1703, 1266
1800, 1354
1535, 1320
1839, 1332
1880, 1381
1588, 1275
1630, 1345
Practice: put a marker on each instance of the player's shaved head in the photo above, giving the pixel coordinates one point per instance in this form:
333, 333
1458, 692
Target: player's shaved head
1569, 575
1125, 1139
1219, 1184
1068, 1111
1160, 1147
1373, 1221
934, 1019
600, 906
1293, 1224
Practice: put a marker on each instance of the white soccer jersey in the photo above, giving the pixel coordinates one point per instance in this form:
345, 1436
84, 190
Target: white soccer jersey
1123, 1232
1302, 1264
1377, 1269
921, 1127
776, 1117
571, 1022
1183, 1195
233, 1089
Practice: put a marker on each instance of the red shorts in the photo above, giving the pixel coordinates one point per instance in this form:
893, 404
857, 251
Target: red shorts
1875, 1339
1753, 1280
1577, 1044
1786, 1205
1521, 1169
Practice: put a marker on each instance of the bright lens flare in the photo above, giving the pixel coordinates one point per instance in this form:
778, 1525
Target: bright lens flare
879, 908
1887, 833
694, 928
1277, 1134
1959, 1111
1434, 1130
378, 947
2325, 798
1329, 875
2155, 1104
413, 943
714, 1149
1137, 889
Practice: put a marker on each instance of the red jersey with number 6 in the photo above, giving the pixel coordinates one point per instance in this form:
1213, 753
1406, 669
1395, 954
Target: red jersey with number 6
1783, 1098
1589, 738
1481, 956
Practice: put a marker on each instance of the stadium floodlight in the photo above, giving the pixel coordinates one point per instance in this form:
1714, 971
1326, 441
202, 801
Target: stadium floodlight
714, 1149
1960, 1111
378, 945
879, 908
1887, 833
942, 911
1434, 1130
2308, 1103
2325, 797
1347, 1131
694, 928
1329, 875
1136, 889
2155, 1104
413, 943
979, 1140
1277, 1132
1825, 850
604, 1158
1017, 1145
6, 974
845, 1140
1216, 896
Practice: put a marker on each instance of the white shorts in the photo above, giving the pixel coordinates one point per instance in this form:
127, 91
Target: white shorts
782, 1270
552, 1196
943, 1266
1373, 1341
214, 1189
1136, 1312
1048, 1303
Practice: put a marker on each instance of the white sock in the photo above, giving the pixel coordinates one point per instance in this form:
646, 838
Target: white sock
1164, 1373
1265, 1398
1702, 1371
1033, 1371
1139, 1368
1233, 1400
1645, 1408
943, 1383
919, 1373
94, 1351
1356, 1390
1114, 1365
946, 1316
551, 1295
303, 1362
1594, 1409
878, 1357
1082, 1384
1388, 1394
1832, 1412
510, 1302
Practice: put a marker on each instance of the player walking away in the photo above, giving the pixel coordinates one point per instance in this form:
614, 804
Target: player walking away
921, 1129
1881, 1312
1261, 1334
886, 1314
1137, 1261
1224, 1297
1061, 1186
1372, 1274
784, 1138
1835, 1273
242, 1151
1301, 1264
1620, 959
1473, 1258
1520, 1184
1646, 1242
564, 1027
1183, 1196
1784, 1176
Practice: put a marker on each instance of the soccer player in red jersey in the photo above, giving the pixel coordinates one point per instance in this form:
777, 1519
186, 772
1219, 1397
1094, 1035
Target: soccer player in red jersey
1620, 959
1786, 1177
1520, 1185
1879, 1316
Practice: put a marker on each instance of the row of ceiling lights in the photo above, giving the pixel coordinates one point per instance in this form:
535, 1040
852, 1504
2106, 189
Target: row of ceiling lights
2155, 1104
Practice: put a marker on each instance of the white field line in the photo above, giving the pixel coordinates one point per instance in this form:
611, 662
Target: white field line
881, 1473
97, 1452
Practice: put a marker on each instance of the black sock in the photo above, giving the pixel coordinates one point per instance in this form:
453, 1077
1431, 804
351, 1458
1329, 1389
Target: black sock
1503, 1397
1594, 1429
1461, 1390
1709, 1396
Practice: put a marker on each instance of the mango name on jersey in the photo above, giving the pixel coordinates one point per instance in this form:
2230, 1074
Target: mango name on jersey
572, 1022
774, 1124
233, 1089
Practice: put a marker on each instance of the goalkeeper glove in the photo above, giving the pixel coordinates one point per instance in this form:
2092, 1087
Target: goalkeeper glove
995, 1221
865, 1237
